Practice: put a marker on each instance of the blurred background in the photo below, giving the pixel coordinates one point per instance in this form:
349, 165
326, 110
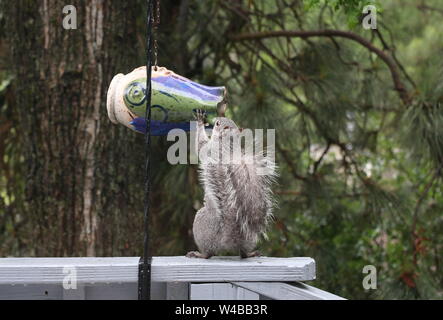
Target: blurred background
358, 118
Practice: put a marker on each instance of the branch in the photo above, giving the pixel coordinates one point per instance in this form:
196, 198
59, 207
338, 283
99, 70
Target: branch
417, 210
287, 158
317, 163
394, 57
398, 85
299, 193
289, 192
424, 7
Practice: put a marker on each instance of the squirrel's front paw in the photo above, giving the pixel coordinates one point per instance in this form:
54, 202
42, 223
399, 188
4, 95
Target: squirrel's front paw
200, 116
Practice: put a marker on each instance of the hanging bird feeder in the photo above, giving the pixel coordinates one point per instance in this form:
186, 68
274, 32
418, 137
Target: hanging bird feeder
174, 100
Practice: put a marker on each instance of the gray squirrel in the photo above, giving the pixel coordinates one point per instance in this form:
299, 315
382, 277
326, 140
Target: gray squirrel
238, 200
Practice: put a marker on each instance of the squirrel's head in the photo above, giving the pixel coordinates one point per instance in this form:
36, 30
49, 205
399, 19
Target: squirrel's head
224, 126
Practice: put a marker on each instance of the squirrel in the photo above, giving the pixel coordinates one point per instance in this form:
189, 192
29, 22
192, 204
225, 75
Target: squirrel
238, 200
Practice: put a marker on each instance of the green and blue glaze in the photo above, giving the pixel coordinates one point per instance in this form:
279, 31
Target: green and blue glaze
174, 101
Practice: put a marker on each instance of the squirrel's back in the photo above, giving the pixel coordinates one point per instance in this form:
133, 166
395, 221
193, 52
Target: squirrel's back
241, 193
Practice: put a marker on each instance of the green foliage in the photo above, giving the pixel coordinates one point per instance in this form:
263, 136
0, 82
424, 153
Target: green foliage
351, 8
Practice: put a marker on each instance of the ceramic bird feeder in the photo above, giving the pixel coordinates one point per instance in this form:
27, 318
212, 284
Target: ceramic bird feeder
174, 100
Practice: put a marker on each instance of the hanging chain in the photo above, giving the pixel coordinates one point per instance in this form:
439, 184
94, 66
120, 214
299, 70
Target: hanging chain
144, 271
156, 22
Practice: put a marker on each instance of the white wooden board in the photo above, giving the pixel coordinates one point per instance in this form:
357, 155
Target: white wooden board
284, 291
220, 291
164, 269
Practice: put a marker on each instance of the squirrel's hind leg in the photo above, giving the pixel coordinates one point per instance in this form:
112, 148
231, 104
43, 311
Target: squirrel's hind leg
196, 254
244, 254
206, 233
247, 249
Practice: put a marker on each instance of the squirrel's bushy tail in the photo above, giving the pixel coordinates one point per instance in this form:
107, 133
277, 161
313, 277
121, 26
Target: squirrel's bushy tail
250, 194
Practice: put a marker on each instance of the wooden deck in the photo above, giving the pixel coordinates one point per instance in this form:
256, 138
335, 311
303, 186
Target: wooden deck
172, 278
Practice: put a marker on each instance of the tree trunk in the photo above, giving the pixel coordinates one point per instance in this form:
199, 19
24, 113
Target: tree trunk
76, 172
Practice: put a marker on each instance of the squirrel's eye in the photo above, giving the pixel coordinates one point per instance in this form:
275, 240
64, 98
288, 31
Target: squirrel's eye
217, 123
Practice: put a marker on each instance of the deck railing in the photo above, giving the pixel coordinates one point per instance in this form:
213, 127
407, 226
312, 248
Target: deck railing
229, 278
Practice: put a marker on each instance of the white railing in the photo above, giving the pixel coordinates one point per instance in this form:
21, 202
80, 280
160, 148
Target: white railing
172, 278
